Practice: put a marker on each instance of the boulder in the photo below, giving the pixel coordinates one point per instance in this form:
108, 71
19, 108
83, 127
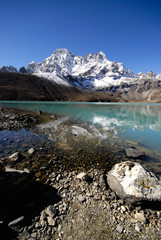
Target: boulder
133, 183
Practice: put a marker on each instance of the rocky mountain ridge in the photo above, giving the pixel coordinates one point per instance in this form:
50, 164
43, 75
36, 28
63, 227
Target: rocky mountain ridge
92, 71
96, 74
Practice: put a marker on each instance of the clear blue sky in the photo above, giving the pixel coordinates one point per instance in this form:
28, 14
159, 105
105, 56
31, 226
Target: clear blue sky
127, 31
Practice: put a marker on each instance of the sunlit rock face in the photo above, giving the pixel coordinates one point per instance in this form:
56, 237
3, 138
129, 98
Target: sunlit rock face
96, 72
93, 70
134, 183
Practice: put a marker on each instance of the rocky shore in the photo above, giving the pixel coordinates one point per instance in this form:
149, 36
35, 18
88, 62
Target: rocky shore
78, 204
11, 120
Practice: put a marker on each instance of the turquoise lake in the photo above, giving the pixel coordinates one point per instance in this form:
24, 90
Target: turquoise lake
122, 124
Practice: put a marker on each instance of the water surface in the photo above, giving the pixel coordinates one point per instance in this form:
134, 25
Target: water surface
96, 128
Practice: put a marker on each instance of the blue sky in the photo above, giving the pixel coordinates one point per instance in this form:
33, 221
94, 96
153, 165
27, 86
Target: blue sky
127, 31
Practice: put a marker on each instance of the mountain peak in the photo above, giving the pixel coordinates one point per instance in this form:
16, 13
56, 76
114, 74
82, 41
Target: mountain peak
92, 69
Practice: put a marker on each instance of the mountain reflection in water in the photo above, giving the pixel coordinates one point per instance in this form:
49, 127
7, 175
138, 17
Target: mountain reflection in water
135, 121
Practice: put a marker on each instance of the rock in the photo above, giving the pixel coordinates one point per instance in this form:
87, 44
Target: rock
24, 235
51, 221
119, 228
133, 183
18, 220
103, 180
84, 176
31, 151
134, 153
81, 198
33, 235
52, 116
81, 175
16, 171
39, 112
123, 208
51, 211
137, 227
12, 117
2, 167
113, 196
140, 217
17, 156
59, 227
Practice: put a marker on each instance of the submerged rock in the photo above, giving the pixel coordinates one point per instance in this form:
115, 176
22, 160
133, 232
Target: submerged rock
134, 153
134, 183
31, 151
17, 156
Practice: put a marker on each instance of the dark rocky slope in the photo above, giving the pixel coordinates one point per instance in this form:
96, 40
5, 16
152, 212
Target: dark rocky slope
16, 86
26, 87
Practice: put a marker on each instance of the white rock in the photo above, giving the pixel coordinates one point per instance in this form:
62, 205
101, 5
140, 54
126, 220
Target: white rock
134, 183
16, 156
31, 151
119, 228
51, 221
51, 211
140, 217
81, 175
137, 228
81, 198
17, 220
123, 208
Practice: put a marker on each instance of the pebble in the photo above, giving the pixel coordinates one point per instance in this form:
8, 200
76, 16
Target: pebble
81, 198
51, 211
81, 175
137, 227
33, 235
123, 208
51, 221
119, 228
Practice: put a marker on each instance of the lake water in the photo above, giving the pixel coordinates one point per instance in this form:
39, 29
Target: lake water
95, 130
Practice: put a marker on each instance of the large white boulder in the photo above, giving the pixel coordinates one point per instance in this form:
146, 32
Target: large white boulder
133, 183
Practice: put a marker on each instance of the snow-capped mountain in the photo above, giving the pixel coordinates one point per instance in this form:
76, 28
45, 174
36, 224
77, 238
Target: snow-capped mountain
94, 70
